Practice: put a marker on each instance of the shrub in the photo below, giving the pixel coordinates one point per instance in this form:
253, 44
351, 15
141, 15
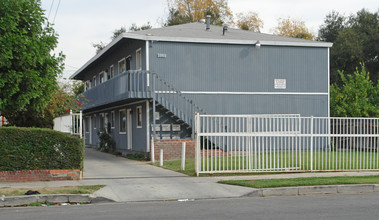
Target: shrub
37, 149
106, 143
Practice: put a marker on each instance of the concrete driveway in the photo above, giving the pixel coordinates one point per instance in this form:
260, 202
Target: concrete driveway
129, 180
99, 165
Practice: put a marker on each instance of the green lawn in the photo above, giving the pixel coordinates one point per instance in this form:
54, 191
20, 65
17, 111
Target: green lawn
309, 181
277, 161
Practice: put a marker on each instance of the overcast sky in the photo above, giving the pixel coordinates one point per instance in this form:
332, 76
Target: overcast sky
80, 23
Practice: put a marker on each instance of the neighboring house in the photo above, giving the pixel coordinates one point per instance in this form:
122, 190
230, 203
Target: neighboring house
153, 81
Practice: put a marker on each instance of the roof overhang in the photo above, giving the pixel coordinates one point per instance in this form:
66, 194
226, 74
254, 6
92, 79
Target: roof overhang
199, 40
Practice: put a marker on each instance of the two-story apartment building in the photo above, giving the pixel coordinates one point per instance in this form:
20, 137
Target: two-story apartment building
150, 83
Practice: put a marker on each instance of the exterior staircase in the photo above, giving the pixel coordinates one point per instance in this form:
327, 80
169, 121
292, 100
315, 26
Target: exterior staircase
144, 85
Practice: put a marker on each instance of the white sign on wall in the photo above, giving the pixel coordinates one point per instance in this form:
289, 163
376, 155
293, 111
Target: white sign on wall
280, 84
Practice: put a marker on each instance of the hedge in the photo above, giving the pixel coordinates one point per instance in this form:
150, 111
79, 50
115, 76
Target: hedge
39, 149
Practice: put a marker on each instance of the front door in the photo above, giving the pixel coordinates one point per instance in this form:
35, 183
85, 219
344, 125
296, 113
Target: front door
129, 128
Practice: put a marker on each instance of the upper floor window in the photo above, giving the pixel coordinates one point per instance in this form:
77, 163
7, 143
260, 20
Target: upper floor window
138, 59
121, 66
111, 72
94, 81
87, 85
101, 77
128, 58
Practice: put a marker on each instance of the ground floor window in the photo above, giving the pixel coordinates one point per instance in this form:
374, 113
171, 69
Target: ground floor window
106, 119
139, 116
101, 121
122, 121
112, 119
94, 121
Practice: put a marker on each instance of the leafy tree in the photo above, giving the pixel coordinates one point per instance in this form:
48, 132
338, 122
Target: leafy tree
28, 67
118, 32
357, 97
186, 11
290, 27
355, 39
333, 24
99, 46
134, 27
175, 18
249, 21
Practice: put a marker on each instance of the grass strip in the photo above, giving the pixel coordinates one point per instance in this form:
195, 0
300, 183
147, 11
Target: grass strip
8, 191
175, 165
306, 181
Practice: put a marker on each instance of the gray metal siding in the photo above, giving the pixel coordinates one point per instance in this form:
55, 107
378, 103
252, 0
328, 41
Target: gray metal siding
139, 134
244, 68
240, 68
306, 105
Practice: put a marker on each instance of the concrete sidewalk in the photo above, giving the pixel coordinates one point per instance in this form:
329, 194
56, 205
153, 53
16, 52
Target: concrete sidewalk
128, 180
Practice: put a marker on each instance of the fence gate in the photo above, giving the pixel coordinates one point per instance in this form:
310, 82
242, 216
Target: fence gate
71, 123
264, 143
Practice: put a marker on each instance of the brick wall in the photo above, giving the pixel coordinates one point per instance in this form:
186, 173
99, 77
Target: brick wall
39, 175
172, 149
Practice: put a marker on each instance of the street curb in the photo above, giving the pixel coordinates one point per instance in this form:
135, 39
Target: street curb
315, 190
10, 201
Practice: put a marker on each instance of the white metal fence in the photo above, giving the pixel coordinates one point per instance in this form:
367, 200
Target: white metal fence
71, 123
262, 143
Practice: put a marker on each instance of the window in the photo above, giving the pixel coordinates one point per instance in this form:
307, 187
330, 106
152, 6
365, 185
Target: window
112, 119
87, 85
121, 66
138, 59
86, 123
139, 116
94, 121
111, 72
101, 126
128, 58
101, 77
106, 121
106, 75
94, 81
123, 121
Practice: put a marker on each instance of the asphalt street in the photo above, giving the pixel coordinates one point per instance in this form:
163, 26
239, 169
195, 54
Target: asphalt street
362, 206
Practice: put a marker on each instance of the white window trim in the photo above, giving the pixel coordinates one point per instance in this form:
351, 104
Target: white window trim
139, 58
114, 118
119, 121
139, 109
123, 59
